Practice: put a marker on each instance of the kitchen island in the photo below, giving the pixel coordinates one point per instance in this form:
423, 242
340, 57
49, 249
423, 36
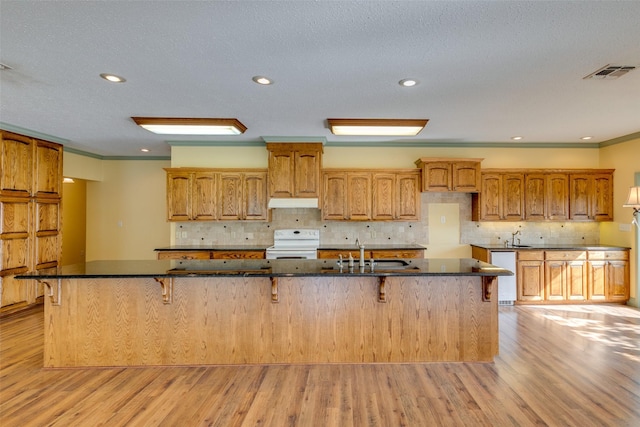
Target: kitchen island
161, 312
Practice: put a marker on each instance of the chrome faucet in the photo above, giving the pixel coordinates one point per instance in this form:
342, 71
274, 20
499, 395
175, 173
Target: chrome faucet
361, 246
513, 237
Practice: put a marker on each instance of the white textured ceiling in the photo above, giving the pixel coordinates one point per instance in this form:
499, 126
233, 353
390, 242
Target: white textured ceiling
488, 70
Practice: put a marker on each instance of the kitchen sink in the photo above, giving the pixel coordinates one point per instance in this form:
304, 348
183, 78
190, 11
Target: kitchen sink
381, 265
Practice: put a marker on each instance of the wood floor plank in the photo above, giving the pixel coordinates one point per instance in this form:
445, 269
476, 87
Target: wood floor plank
558, 366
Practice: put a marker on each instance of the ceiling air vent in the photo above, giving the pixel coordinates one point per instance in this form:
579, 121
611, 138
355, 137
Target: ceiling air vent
610, 72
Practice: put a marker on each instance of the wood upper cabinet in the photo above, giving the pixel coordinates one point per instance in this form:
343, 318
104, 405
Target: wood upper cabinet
48, 166
591, 196
16, 161
294, 169
243, 196
199, 194
347, 196
396, 196
364, 195
546, 197
501, 197
443, 174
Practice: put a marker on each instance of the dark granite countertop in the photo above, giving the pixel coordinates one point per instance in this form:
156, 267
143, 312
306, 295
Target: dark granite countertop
267, 268
557, 247
340, 247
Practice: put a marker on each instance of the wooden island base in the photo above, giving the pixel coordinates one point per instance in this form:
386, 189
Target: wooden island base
234, 320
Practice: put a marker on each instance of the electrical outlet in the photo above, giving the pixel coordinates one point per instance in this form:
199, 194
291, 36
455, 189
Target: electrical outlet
624, 227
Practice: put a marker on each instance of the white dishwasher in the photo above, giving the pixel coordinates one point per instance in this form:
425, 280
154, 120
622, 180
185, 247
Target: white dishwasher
507, 293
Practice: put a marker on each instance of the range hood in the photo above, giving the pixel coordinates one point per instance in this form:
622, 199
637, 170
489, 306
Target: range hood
293, 203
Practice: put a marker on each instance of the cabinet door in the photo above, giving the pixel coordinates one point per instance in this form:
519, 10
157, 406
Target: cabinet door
513, 196
179, 196
602, 197
384, 196
557, 197
408, 197
334, 205
535, 191
596, 280
47, 233
393, 254
359, 196
230, 196
617, 280
15, 249
437, 176
579, 200
254, 196
48, 169
204, 190
466, 176
306, 173
576, 280
555, 280
281, 170
16, 164
490, 203
530, 281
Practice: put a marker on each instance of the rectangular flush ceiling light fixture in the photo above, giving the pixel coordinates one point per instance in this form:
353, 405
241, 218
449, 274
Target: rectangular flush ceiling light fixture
190, 126
377, 127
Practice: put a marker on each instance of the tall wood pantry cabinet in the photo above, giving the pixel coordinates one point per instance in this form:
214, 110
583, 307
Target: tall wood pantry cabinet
30, 221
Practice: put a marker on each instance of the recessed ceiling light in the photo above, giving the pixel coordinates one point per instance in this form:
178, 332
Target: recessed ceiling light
262, 80
145, 150
516, 138
190, 126
377, 127
408, 82
67, 180
113, 78
586, 138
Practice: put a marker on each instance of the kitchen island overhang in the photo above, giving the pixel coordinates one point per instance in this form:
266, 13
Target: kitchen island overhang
145, 313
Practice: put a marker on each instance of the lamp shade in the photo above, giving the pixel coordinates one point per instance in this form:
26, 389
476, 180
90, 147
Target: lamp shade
633, 200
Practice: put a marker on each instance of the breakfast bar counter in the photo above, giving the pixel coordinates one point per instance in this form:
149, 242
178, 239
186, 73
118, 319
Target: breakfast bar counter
142, 313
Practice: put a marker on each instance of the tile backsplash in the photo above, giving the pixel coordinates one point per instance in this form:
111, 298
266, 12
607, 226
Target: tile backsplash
346, 232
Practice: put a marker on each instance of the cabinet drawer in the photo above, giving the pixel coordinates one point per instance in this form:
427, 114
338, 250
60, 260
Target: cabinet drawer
565, 255
184, 255
609, 255
238, 255
530, 255
335, 254
409, 253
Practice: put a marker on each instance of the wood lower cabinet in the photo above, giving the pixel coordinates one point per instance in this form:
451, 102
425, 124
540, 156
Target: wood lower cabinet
530, 276
454, 175
565, 276
30, 220
201, 194
571, 276
368, 195
222, 254
371, 253
608, 276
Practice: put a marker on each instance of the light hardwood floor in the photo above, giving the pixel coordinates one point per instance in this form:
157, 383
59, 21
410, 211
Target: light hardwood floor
558, 366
